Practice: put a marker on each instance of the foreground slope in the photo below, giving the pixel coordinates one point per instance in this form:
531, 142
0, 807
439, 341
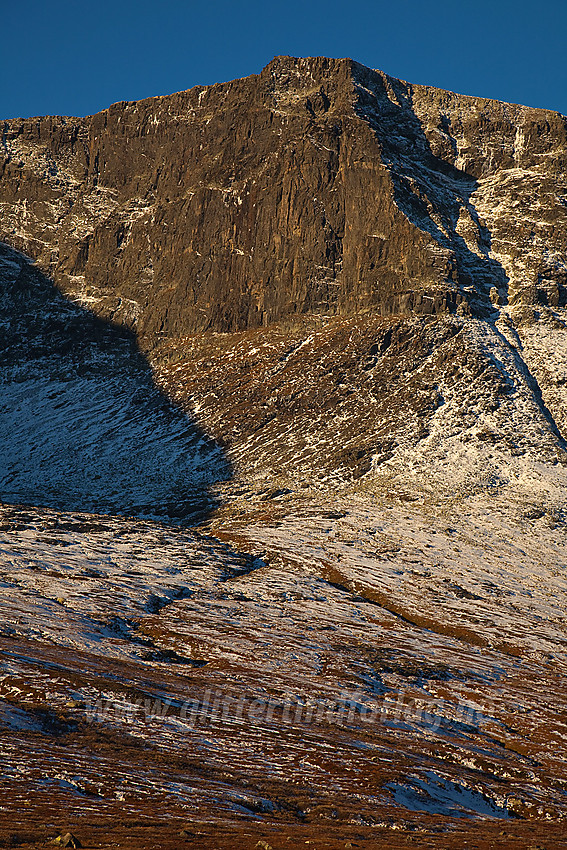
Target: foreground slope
371, 674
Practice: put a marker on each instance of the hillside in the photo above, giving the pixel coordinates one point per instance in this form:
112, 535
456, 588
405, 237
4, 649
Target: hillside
282, 426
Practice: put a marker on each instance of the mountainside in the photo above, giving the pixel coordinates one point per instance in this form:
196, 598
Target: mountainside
323, 313
319, 186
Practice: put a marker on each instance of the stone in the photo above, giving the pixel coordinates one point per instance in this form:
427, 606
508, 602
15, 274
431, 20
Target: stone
66, 840
317, 187
319, 206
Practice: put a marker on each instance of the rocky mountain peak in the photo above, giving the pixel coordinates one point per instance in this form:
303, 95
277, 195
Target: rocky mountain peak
317, 195
317, 187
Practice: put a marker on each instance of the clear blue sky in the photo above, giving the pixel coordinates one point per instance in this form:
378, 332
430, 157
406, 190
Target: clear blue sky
76, 58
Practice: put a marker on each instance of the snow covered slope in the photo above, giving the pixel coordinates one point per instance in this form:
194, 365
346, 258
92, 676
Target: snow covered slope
82, 425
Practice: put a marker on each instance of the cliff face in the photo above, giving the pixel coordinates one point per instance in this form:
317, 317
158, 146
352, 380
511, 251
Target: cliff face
318, 186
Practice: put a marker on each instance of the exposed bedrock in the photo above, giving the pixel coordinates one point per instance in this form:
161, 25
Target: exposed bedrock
318, 186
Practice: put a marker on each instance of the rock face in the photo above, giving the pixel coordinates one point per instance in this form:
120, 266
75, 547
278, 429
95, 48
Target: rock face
318, 186
321, 209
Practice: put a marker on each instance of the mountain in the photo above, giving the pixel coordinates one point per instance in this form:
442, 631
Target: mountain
323, 313
319, 186
318, 189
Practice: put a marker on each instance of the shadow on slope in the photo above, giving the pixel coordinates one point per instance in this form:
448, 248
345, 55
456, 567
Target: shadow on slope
433, 194
437, 198
82, 424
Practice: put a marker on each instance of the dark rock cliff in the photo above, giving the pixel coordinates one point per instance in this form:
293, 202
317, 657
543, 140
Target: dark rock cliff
318, 186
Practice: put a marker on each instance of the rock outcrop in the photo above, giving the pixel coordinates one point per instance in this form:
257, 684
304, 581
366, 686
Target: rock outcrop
318, 186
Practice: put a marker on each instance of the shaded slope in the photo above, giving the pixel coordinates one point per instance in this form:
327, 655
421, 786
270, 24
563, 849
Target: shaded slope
82, 425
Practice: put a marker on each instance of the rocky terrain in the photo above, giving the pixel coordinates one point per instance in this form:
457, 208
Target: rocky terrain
282, 468
317, 187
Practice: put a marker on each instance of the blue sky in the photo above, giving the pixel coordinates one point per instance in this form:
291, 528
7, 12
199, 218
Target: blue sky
76, 58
